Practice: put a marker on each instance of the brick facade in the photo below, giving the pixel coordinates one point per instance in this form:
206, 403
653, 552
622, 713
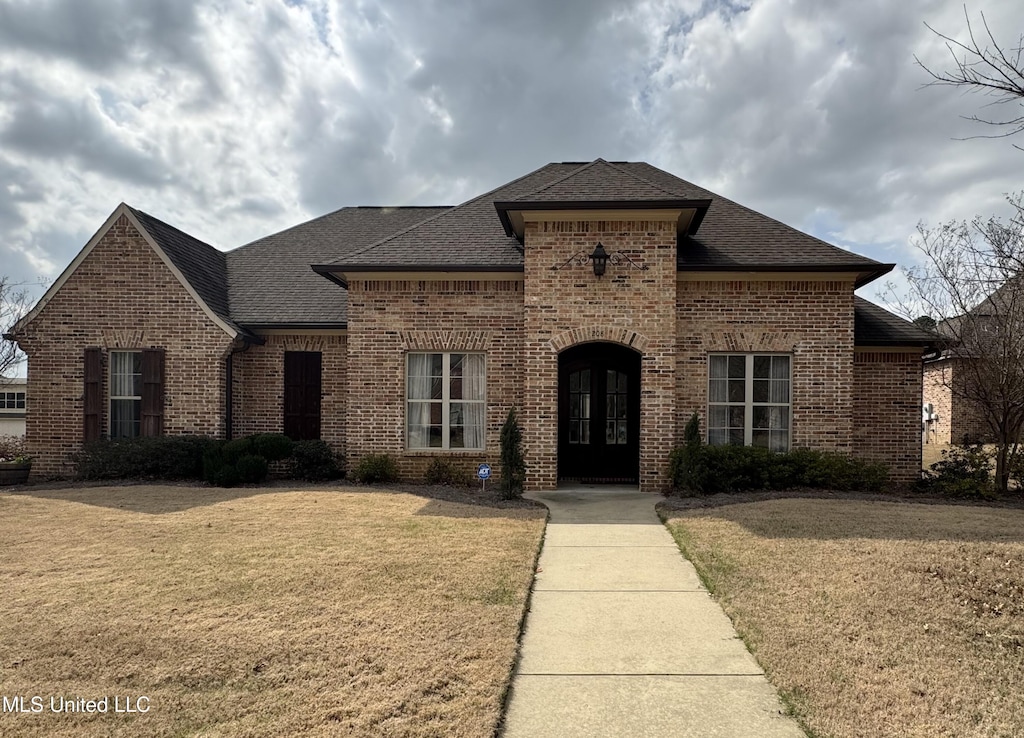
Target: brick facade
960, 421
121, 296
259, 384
565, 304
785, 316
886, 410
388, 319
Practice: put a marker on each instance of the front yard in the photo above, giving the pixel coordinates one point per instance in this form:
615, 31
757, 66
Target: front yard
260, 612
874, 618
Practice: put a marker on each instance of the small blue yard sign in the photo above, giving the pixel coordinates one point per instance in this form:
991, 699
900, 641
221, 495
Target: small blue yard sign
484, 471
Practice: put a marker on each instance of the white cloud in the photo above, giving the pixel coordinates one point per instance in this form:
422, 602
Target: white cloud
236, 119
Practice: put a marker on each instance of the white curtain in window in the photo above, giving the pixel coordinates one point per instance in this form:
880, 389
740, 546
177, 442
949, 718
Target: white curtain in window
418, 388
473, 388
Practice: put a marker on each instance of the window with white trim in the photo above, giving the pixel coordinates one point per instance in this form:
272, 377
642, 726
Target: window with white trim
445, 401
125, 394
12, 400
749, 400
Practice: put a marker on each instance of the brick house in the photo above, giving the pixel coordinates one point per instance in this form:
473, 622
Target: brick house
607, 302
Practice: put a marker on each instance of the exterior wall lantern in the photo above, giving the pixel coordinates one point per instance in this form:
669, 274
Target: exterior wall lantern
599, 259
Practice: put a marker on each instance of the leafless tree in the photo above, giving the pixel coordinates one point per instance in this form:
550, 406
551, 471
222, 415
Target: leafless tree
981, 65
971, 281
15, 301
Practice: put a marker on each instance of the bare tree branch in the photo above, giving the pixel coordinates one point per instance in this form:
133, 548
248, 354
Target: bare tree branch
15, 302
985, 67
971, 283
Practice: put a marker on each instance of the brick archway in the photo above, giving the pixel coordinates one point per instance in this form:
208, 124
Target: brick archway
600, 333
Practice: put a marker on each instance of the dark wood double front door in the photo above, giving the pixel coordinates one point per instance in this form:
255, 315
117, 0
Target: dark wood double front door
599, 413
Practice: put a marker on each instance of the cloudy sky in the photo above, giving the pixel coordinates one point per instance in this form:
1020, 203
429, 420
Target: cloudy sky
232, 119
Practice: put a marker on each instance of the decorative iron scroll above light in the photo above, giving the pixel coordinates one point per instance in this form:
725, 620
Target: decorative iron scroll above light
600, 260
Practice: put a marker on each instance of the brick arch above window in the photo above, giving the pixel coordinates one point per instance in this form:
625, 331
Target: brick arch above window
751, 340
441, 340
592, 333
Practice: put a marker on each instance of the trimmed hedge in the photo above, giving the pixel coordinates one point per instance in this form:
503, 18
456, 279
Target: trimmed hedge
159, 457
316, 461
723, 469
223, 464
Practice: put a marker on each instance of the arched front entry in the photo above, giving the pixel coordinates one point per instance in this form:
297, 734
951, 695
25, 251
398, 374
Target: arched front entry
599, 413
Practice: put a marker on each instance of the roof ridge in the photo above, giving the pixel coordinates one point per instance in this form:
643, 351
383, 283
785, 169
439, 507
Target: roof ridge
561, 179
165, 224
717, 196
615, 166
411, 228
599, 160
304, 223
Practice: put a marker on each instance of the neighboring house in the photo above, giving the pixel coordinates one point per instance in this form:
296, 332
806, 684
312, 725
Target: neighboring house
12, 406
413, 331
978, 366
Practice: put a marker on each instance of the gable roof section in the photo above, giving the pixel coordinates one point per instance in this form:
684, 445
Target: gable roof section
729, 237
465, 236
876, 326
199, 268
601, 184
270, 281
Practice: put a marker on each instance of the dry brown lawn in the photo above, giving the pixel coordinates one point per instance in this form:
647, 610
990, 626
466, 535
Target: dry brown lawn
261, 612
874, 618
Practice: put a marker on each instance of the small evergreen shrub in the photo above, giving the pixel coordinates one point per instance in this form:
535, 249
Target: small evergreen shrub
273, 446
376, 468
963, 471
513, 465
237, 448
686, 466
445, 471
316, 461
157, 457
722, 469
251, 469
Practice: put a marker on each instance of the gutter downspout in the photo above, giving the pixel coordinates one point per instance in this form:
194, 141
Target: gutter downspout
229, 397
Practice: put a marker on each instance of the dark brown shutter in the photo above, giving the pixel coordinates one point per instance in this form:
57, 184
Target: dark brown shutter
93, 397
302, 389
152, 392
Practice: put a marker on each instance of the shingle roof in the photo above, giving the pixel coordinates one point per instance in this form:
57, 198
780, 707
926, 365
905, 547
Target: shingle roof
600, 180
270, 280
203, 266
730, 237
467, 235
876, 326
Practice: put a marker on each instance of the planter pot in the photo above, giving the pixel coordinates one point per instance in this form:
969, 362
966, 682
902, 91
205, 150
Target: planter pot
11, 473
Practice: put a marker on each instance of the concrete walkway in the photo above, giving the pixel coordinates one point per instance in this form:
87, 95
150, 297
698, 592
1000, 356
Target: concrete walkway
622, 639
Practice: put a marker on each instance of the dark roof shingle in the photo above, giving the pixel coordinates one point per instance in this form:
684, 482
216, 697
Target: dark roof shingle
203, 266
876, 326
271, 280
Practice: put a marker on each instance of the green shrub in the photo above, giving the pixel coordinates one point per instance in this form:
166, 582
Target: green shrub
686, 467
376, 468
513, 465
235, 449
225, 475
252, 469
445, 471
316, 461
157, 457
964, 471
723, 469
273, 446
